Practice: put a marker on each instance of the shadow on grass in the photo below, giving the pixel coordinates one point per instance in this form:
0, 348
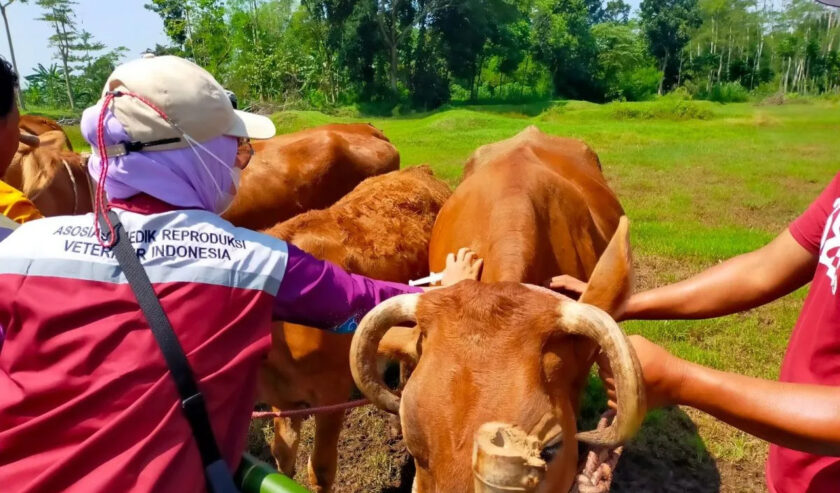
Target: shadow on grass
666, 456
406, 479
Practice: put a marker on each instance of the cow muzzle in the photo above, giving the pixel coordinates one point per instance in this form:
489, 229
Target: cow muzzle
506, 459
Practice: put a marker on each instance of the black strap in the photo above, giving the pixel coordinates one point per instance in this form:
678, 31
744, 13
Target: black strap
137, 146
216, 472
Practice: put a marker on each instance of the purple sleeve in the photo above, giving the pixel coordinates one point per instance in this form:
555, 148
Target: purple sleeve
323, 295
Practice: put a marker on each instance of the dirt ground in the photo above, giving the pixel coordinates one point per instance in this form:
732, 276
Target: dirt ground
370, 459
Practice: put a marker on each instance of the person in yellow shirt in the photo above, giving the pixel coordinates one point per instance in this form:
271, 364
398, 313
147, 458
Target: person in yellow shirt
15, 208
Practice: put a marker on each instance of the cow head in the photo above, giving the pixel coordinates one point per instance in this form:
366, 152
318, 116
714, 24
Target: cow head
503, 353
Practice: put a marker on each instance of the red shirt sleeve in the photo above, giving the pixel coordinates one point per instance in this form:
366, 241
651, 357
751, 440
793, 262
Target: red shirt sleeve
808, 228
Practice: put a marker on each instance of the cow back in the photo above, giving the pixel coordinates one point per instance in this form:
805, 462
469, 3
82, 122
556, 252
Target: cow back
381, 230
533, 206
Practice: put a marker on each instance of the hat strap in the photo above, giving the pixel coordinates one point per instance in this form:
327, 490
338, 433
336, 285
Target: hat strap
126, 147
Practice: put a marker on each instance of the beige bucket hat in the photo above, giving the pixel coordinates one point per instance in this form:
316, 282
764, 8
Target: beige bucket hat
189, 95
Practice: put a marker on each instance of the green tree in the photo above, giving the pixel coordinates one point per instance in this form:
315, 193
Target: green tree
266, 58
208, 35
668, 24
430, 83
94, 72
325, 25
173, 13
561, 38
624, 68
46, 86
396, 20
84, 51
59, 14
616, 11
471, 32
362, 52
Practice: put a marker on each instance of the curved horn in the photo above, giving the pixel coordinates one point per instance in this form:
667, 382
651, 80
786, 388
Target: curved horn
594, 323
363, 350
30, 140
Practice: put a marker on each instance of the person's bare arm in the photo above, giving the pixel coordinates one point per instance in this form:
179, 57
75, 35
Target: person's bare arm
798, 416
738, 284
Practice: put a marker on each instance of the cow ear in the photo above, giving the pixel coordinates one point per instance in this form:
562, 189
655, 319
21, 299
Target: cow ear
611, 283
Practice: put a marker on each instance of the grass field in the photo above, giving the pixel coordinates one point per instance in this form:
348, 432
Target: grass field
701, 183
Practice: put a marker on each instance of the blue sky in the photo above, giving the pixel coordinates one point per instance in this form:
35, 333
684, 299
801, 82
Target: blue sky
113, 22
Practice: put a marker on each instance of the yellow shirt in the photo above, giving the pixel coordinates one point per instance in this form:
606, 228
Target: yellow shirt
15, 206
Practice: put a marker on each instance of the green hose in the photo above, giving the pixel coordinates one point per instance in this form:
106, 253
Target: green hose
255, 476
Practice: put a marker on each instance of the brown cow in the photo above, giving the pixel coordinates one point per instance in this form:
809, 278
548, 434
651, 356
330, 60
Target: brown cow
37, 125
533, 206
52, 177
311, 169
381, 230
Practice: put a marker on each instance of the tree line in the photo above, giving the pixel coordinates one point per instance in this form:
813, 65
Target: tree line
421, 54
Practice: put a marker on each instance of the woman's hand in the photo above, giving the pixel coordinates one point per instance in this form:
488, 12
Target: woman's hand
663, 373
463, 265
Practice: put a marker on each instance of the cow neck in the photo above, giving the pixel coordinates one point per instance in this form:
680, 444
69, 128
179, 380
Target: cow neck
143, 204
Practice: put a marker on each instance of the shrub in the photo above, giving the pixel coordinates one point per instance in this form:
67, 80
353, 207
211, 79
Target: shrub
775, 99
728, 92
663, 109
639, 85
796, 98
679, 94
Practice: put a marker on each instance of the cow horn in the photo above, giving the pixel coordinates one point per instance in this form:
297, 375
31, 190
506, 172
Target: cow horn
30, 140
594, 323
363, 350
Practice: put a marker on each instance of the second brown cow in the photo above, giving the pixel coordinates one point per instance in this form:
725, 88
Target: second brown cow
381, 230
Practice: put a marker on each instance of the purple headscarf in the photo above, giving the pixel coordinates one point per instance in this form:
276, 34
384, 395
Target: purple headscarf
176, 176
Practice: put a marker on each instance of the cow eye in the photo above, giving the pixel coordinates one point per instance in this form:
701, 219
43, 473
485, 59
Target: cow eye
552, 448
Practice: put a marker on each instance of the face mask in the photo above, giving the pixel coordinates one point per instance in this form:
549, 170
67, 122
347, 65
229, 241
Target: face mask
235, 176
224, 198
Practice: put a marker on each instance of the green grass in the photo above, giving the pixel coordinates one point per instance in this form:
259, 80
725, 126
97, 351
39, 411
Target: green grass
54, 113
75, 135
697, 189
